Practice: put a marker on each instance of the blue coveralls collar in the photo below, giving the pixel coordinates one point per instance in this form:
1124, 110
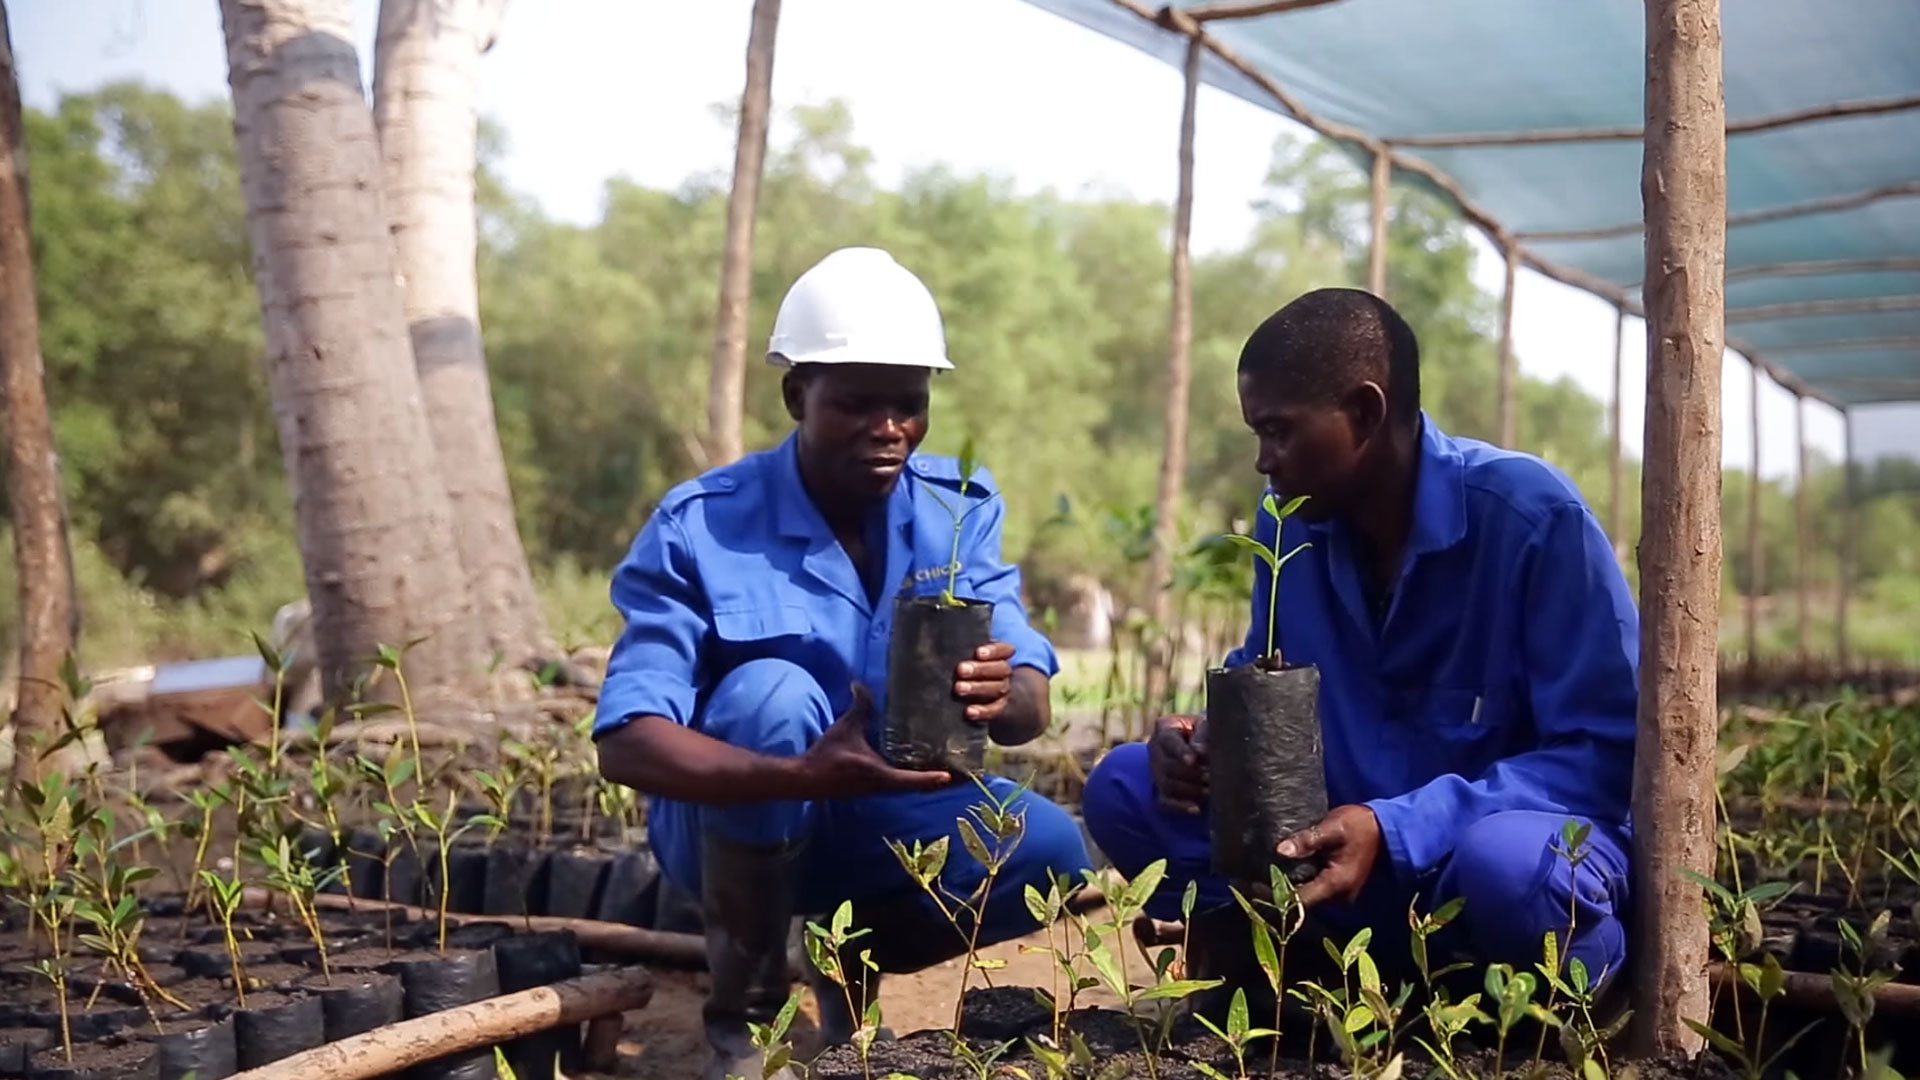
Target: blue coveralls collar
1439, 496
797, 518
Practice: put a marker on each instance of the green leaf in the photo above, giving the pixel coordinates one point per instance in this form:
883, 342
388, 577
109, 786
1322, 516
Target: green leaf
268, 654
1721, 1041
1237, 1016
1144, 884
1037, 906
1357, 1019
1264, 951
1255, 546
1293, 505
1175, 989
1188, 898
1103, 962
975, 845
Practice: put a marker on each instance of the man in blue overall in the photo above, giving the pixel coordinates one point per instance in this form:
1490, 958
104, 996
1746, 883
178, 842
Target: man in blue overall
1478, 654
758, 605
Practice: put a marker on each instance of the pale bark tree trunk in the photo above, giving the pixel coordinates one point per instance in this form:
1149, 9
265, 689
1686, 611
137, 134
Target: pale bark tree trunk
371, 514
726, 390
1508, 378
42, 557
1683, 184
1173, 459
426, 64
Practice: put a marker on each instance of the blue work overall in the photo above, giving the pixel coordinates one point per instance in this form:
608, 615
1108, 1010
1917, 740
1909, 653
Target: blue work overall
1490, 703
747, 621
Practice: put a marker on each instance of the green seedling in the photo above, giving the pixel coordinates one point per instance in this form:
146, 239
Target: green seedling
1237, 1036
771, 1039
225, 897
290, 870
1854, 989
1768, 981
1511, 994
1110, 962
278, 664
1364, 1024
979, 1062
968, 463
1047, 911
826, 946
1274, 562
441, 825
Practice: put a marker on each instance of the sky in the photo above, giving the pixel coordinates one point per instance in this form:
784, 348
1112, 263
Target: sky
591, 89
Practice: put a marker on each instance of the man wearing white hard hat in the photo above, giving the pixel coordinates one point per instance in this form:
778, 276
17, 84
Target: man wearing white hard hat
758, 608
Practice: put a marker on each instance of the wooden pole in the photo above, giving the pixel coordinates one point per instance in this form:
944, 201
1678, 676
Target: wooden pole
1507, 365
1848, 522
389, 1050
1802, 585
1756, 561
1377, 249
43, 556
726, 384
1616, 467
1684, 191
1173, 459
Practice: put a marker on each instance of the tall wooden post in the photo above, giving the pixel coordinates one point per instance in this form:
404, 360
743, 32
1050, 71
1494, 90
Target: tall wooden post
1173, 458
43, 556
1683, 185
1756, 561
1616, 505
1849, 531
726, 381
1801, 585
1507, 376
1377, 248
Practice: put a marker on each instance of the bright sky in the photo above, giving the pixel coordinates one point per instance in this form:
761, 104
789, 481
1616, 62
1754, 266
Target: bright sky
589, 89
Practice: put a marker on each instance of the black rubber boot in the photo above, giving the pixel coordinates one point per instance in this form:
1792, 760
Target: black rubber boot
746, 903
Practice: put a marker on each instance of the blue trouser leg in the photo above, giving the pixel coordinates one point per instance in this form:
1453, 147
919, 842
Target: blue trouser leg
1515, 885
775, 707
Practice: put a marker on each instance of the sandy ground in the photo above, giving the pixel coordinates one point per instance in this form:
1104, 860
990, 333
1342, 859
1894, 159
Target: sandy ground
664, 1041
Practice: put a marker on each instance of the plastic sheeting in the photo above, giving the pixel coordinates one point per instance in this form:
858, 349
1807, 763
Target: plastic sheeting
1409, 68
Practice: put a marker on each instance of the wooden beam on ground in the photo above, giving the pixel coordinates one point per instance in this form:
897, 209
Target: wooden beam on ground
1508, 377
391, 1050
1377, 246
1800, 525
1862, 305
1616, 467
1756, 561
1771, 122
1247, 9
1684, 189
1853, 200
1173, 457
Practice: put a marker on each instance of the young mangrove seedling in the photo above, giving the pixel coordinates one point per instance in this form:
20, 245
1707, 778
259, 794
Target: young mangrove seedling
1272, 956
1237, 1036
1854, 989
1511, 994
826, 946
1767, 980
924, 863
279, 664
290, 870
1274, 561
445, 835
968, 463
225, 896
1124, 905
771, 1039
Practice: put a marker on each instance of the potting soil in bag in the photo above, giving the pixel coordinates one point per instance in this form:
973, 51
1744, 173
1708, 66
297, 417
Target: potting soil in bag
276, 1025
1266, 776
925, 725
445, 982
524, 962
206, 1048
105, 1059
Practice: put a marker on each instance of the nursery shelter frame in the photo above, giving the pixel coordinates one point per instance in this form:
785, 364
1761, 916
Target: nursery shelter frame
1779, 216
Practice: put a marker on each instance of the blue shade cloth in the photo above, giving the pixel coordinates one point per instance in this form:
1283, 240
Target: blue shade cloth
1404, 68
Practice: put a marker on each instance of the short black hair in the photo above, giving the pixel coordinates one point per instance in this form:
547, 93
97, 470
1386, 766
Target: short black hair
1330, 340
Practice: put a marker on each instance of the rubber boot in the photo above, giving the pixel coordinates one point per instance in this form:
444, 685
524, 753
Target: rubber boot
746, 903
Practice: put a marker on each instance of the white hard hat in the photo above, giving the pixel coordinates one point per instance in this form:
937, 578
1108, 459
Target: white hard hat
859, 306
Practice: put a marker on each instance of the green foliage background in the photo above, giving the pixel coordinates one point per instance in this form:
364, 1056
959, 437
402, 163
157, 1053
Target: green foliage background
598, 338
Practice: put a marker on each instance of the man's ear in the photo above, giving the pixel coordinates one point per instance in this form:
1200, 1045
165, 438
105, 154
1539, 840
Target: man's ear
1366, 406
793, 391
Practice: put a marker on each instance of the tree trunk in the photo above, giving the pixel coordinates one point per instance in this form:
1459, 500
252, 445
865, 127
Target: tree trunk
1684, 187
370, 512
1173, 460
42, 557
1616, 507
426, 64
1508, 377
726, 389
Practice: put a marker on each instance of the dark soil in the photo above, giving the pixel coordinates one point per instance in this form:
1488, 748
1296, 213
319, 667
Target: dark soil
104, 1058
262, 1000
268, 976
200, 993
997, 1024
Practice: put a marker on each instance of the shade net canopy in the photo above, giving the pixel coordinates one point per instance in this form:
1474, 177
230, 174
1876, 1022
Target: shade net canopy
1823, 238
